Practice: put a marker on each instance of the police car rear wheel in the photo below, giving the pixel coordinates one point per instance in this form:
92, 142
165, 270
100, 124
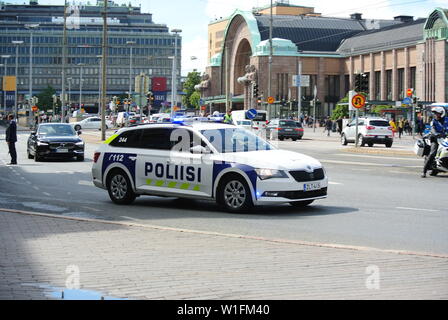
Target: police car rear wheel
120, 189
234, 195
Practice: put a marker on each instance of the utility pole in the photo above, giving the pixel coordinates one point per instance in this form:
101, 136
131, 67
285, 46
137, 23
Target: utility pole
64, 58
174, 75
271, 52
227, 77
130, 43
299, 91
104, 80
16, 108
31, 27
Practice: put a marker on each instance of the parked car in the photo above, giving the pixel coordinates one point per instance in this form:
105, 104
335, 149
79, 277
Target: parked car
284, 129
55, 140
370, 131
90, 123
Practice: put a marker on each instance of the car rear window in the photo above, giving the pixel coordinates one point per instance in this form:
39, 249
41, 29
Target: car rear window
379, 123
288, 124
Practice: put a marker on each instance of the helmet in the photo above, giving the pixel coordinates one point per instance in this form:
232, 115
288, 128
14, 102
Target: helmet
440, 110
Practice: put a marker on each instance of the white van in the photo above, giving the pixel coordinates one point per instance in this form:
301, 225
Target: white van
258, 123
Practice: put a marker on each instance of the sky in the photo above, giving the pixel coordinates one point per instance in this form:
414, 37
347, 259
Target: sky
193, 16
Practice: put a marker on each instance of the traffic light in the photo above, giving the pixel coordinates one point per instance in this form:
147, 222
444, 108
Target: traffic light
255, 90
362, 83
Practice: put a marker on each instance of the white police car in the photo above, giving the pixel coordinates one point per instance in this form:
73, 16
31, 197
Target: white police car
211, 161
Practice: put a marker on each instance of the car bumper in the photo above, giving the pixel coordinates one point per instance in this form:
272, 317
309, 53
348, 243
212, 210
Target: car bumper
49, 153
277, 191
377, 139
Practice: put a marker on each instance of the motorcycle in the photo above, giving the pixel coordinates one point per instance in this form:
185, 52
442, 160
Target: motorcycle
423, 148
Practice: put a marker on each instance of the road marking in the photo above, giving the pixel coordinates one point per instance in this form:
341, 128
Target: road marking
376, 157
47, 194
369, 164
129, 218
230, 235
417, 209
335, 183
86, 183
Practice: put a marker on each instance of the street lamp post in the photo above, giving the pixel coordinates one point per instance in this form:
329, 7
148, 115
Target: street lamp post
174, 74
130, 43
6, 57
69, 82
80, 84
31, 27
99, 83
16, 43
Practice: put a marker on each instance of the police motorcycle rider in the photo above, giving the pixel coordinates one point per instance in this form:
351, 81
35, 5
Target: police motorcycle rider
439, 129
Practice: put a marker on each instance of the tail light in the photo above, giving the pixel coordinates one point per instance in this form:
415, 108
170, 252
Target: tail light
96, 156
298, 129
278, 129
370, 128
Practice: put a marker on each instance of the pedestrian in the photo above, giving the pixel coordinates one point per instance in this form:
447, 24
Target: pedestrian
407, 127
393, 125
328, 126
400, 128
228, 117
339, 122
11, 139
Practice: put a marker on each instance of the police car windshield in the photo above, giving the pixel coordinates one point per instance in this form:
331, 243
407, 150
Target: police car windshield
235, 140
56, 130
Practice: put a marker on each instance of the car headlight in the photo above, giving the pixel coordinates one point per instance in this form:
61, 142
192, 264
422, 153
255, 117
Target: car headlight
42, 143
265, 174
80, 143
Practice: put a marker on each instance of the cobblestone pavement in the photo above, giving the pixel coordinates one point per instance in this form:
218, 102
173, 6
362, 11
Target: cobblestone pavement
41, 254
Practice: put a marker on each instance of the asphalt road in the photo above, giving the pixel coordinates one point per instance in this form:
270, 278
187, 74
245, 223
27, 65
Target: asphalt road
374, 201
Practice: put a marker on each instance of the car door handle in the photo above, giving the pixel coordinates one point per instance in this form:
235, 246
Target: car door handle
132, 158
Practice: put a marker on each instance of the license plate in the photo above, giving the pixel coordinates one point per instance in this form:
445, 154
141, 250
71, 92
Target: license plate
288, 129
312, 186
62, 150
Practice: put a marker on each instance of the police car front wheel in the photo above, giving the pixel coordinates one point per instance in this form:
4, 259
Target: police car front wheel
234, 194
120, 188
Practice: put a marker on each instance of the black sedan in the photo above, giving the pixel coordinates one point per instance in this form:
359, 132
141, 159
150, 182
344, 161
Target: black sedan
284, 129
55, 140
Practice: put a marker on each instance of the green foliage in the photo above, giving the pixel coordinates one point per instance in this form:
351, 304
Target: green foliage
46, 99
341, 110
194, 100
378, 109
193, 79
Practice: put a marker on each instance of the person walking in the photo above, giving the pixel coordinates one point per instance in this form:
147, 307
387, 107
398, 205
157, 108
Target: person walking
11, 139
339, 122
400, 128
328, 126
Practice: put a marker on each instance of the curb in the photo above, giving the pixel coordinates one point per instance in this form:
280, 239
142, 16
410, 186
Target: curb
229, 235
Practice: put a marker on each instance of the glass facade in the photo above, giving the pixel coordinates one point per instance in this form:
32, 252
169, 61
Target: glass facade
152, 47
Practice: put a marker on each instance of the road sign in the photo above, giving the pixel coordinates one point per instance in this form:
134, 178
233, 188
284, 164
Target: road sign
301, 81
407, 101
359, 101
251, 114
410, 92
271, 100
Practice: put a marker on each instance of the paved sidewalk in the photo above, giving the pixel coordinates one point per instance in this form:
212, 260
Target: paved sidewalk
39, 255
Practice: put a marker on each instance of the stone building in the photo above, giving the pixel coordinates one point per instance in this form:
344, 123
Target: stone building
394, 55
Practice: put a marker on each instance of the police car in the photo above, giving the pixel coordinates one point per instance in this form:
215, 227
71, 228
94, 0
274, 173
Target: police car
219, 162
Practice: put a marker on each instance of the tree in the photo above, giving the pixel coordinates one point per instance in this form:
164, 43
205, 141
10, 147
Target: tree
195, 100
46, 99
193, 79
341, 110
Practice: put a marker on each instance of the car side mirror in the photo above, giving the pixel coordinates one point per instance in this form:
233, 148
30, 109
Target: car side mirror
33, 133
79, 132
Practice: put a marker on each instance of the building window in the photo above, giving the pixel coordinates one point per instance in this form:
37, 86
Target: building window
377, 85
401, 84
389, 85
